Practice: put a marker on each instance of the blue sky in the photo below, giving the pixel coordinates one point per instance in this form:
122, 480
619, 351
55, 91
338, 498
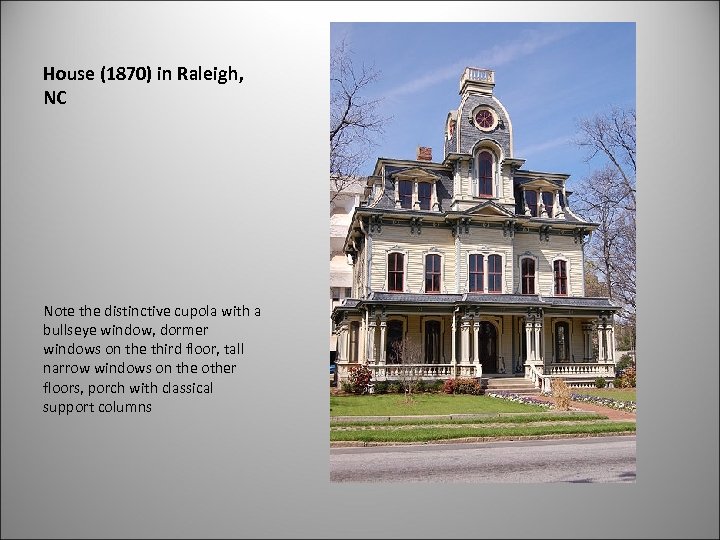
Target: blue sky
547, 75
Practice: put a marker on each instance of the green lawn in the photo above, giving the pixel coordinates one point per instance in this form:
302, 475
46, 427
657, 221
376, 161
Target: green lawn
421, 434
395, 405
618, 394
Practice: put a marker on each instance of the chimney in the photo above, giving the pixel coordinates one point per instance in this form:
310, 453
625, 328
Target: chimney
424, 153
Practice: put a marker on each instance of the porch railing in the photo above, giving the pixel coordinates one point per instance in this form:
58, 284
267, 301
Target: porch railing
425, 371
576, 375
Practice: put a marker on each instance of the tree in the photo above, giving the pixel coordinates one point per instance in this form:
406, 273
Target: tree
355, 123
409, 355
607, 197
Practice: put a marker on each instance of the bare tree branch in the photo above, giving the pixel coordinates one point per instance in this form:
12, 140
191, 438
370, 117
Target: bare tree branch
355, 123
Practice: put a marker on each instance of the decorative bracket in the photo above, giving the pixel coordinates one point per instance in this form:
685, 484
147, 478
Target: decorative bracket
415, 225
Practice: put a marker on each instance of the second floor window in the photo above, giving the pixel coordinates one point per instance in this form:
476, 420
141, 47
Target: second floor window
396, 271
476, 273
528, 276
432, 273
560, 275
494, 274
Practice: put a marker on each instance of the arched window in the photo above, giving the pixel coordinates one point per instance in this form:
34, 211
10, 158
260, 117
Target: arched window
396, 272
494, 274
485, 173
560, 277
527, 273
476, 264
432, 273
432, 342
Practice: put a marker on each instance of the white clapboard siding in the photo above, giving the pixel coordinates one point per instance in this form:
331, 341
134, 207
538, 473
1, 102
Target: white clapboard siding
486, 242
415, 247
545, 253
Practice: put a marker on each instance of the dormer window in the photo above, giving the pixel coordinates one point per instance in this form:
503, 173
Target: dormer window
424, 195
405, 193
531, 201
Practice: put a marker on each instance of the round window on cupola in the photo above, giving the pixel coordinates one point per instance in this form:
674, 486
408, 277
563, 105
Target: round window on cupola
484, 118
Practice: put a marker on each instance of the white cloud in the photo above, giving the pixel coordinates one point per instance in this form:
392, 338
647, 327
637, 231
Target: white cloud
496, 56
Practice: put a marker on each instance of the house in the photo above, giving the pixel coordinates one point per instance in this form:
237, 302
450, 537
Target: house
471, 266
344, 198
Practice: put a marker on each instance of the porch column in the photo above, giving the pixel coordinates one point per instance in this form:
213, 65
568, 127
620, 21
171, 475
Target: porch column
465, 341
362, 342
476, 341
601, 341
587, 341
341, 332
372, 325
611, 330
529, 338
453, 352
383, 331
538, 343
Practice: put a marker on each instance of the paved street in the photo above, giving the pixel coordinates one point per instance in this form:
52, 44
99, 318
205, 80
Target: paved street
592, 459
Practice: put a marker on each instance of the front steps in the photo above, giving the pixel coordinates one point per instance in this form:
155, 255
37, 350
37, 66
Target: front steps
508, 383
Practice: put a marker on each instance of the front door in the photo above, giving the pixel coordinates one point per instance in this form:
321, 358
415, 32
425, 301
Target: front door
488, 347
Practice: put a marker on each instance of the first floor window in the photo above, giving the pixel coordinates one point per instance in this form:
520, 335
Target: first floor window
432, 273
494, 274
528, 276
396, 271
432, 342
476, 273
562, 342
560, 275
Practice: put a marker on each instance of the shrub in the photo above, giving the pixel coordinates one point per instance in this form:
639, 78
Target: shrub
629, 378
395, 387
468, 386
435, 386
618, 382
358, 379
626, 361
561, 394
381, 387
600, 382
449, 386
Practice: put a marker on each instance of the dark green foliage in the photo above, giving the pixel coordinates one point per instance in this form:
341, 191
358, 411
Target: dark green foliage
600, 382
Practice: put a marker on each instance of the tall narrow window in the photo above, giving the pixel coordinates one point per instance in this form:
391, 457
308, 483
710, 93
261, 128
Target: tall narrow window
528, 276
476, 273
562, 342
531, 200
405, 193
432, 342
494, 274
396, 271
432, 273
560, 274
485, 163
395, 342
424, 195
354, 335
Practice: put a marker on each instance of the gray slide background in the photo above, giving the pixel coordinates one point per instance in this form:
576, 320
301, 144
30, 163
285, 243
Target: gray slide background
192, 193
